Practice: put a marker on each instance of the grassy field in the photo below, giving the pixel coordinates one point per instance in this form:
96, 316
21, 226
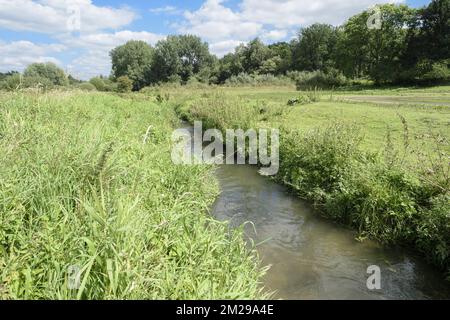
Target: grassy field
87, 182
378, 112
380, 167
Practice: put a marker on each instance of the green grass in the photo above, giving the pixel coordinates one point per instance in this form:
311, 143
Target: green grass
80, 187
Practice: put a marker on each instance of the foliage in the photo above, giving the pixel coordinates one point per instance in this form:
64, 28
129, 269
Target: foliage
103, 84
181, 56
86, 86
315, 48
124, 84
16, 81
318, 79
133, 60
48, 71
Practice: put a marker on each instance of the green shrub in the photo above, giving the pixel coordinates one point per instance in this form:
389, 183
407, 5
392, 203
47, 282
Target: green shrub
317, 79
87, 86
383, 201
245, 79
49, 71
17, 81
124, 84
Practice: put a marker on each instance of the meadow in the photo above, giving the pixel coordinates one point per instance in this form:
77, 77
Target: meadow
87, 184
381, 167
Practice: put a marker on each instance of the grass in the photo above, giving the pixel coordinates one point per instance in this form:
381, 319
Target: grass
81, 186
379, 168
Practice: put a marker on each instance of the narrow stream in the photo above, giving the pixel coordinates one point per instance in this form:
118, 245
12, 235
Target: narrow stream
311, 257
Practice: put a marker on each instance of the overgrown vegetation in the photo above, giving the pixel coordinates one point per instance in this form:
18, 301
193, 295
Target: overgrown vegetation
87, 181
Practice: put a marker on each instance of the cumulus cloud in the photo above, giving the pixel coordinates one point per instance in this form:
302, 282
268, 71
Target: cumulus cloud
293, 13
17, 55
59, 16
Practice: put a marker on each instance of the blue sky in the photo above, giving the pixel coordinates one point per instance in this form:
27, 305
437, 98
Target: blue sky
78, 34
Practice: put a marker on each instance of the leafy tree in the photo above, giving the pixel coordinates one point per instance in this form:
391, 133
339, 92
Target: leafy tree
254, 54
49, 71
230, 65
180, 56
435, 31
316, 44
284, 51
375, 52
133, 60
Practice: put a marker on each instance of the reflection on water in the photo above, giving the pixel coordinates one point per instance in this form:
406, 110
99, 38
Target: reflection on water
311, 257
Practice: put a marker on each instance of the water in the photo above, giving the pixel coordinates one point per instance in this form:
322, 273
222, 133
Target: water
313, 258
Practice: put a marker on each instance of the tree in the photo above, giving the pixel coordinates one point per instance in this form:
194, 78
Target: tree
133, 60
48, 71
254, 54
180, 56
375, 52
316, 44
284, 51
124, 84
435, 31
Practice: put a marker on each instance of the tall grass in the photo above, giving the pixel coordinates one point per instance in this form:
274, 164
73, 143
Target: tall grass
81, 186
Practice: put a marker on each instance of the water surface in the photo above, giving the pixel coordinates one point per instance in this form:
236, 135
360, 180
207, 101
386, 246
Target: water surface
311, 257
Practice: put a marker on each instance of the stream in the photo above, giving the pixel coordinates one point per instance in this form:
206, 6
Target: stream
311, 257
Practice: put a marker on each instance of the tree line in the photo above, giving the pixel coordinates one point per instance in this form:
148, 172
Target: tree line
409, 46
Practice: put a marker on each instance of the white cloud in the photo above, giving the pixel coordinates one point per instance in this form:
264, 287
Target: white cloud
57, 16
275, 35
166, 10
17, 55
223, 47
293, 13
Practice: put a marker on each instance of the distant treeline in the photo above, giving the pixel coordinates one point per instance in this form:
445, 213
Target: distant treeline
410, 46
388, 44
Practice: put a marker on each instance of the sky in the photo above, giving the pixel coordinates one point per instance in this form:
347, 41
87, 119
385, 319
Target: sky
78, 35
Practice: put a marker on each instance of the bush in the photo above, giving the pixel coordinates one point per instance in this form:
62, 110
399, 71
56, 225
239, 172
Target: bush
383, 201
124, 84
245, 79
317, 79
49, 71
102, 84
426, 72
86, 86
17, 81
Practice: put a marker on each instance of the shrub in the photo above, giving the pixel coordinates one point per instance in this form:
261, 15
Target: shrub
17, 81
318, 79
86, 86
258, 80
124, 84
49, 71
102, 84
